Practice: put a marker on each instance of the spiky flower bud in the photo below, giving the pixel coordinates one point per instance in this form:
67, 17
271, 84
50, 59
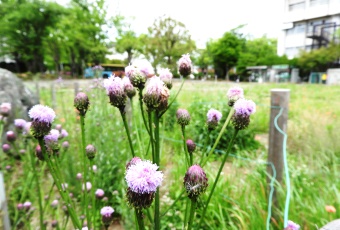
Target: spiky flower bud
234, 94
115, 90
5, 109
19, 124
166, 76
107, 215
243, 109
195, 181
90, 151
6, 148
128, 88
10, 136
42, 117
191, 146
99, 194
183, 117
136, 76
184, 64
155, 93
213, 117
81, 103
65, 145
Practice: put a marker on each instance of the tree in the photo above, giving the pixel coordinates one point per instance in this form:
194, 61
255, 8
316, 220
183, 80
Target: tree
225, 51
167, 40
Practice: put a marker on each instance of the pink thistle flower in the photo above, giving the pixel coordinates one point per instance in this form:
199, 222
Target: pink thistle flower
88, 186
54, 203
42, 117
154, 92
137, 78
81, 103
243, 109
5, 109
292, 226
99, 193
79, 176
128, 87
63, 133
6, 148
107, 215
191, 146
183, 117
10, 136
143, 177
115, 90
27, 129
51, 140
19, 124
184, 65
166, 76
133, 161
27, 205
234, 94
90, 151
213, 117
195, 181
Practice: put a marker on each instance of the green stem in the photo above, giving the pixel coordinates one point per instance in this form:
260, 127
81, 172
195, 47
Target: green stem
192, 213
203, 162
218, 174
48, 198
186, 213
57, 182
85, 169
142, 110
157, 161
139, 216
152, 141
173, 204
93, 194
35, 175
122, 113
189, 159
173, 100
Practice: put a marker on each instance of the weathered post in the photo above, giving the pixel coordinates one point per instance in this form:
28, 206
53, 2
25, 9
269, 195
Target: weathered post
278, 106
76, 88
3, 206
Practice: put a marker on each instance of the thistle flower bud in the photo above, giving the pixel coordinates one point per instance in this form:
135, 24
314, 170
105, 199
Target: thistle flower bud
38, 153
51, 140
213, 117
128, 88
234, 94
107, 215
79, 176
115, 90
195, 181
5, 109
27, 205
243, 109
183, 117
166, 76
65, 145
292, 226
88, 186
153, 94
191, 146
99, 194
58, 127
20, 206
81, 103
42, 117
8, 168
6, 148
90, 151
10, 136
62, 134
54, 203
137, 78
184, 64
19, 124
54, 223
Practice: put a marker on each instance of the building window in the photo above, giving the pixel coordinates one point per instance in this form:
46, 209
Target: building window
296, 6
318, 2
297, 29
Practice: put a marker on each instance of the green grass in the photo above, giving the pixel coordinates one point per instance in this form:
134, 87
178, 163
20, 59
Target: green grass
240, 200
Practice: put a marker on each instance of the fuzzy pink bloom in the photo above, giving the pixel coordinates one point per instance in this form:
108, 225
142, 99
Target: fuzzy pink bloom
143, 177
42, 113
63, 133
10, 136
51, 139
114, 85
27, 205
99, 193
214, 115
244, 107
154, 86
235, 93
185, 60
88, 186
106, 211
184, 64
19, 124
166, 76
292, 226
55, 203
5, 109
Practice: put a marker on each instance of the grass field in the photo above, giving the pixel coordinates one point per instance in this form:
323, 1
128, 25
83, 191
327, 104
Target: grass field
241, 197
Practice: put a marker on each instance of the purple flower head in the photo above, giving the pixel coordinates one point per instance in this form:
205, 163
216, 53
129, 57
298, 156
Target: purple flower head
54, 203
81, 103
184, 64
27, 205
5, 109
183, 117
128, 87
107, 215
88, 186
51, 140
65, 144
10, 136
243, 109
42, 117
58, 127
90, 151
20, 206
191, 146
79, 176
99, 193
6, 148
115, 90
94, 168
145, 67
19, 124
42, 113
38, 153
63, 133
143, 177
234, 94
155, 93
166, 76
213, 117
137, 78
27, 129
292, 226
195, 181
54, 223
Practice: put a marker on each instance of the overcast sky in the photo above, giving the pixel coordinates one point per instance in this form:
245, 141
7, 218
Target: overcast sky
205, 19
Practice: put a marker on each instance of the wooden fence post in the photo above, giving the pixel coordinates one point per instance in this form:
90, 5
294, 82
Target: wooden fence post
279, 100
6, 225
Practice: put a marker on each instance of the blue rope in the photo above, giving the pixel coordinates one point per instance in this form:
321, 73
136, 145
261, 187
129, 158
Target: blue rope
285, 167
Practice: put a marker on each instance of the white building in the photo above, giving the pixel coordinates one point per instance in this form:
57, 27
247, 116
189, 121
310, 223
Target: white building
308, 24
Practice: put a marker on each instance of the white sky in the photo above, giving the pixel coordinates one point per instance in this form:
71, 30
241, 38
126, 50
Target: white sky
205, 19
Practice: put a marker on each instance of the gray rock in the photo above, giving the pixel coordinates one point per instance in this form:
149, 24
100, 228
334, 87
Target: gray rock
13, 90
333, 225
